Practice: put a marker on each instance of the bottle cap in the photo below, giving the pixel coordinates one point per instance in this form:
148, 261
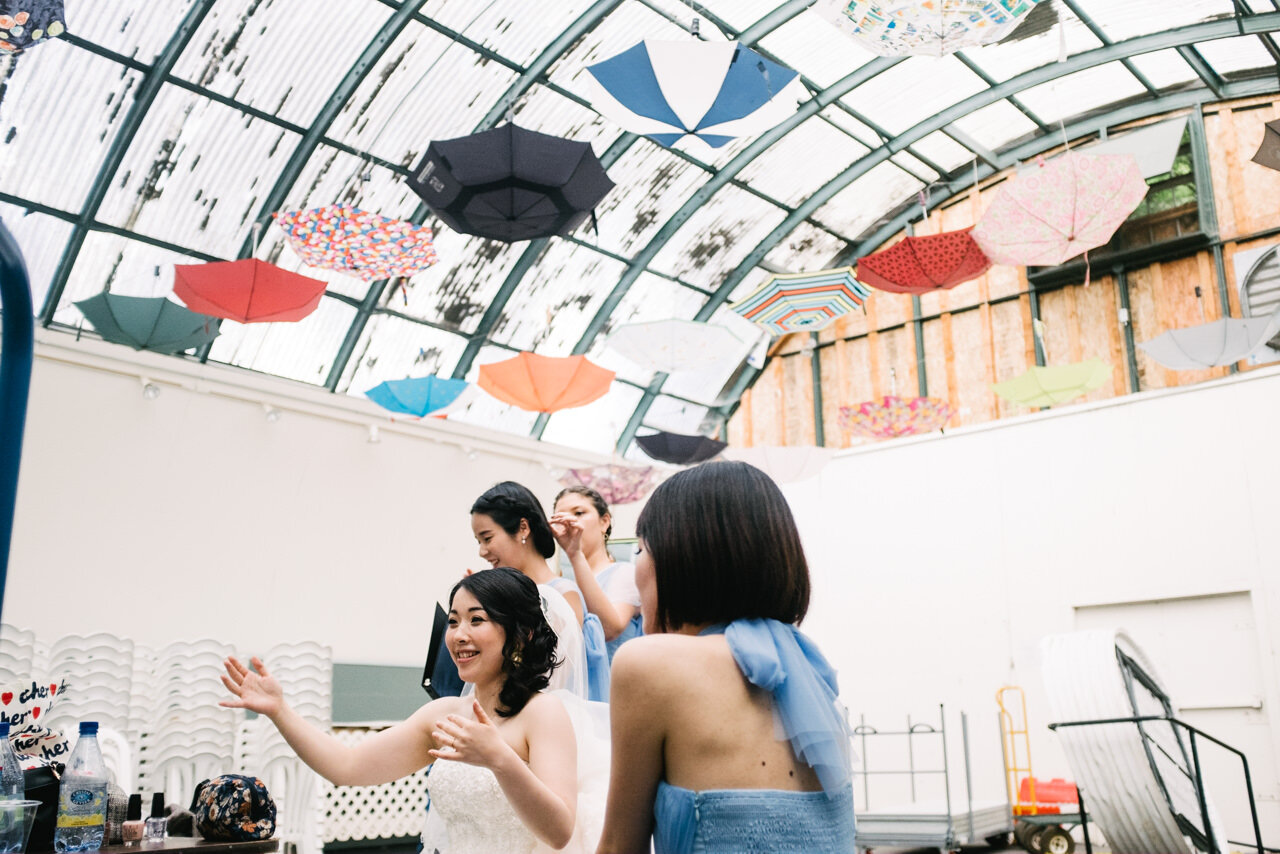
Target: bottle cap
135, 808
88, 727
157, 805
4, 728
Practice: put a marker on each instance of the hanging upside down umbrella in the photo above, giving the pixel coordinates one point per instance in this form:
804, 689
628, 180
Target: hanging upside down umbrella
24, 23
674, 345
1268, 153
925, 27
616, 483
893, 416
1049, 386
671, 91
680, 449
784, 463
418, 396
510, 183
249, 290
917, 265
545, 383
1212, 345
803, 302
364, 244
147, 323
1067, 206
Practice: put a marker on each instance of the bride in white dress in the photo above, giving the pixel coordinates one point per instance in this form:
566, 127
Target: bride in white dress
506, 770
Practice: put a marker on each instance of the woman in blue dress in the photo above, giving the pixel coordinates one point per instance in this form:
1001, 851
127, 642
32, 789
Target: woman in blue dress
727, 731
582, 524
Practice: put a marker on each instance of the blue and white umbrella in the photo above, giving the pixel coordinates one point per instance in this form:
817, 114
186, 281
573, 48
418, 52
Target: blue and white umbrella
418, 396
676, 90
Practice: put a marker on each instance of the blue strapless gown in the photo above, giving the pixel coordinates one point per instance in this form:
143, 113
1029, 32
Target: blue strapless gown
781, 660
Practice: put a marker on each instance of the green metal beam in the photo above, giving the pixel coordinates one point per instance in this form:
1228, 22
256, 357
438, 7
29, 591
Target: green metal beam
151, 85
1007, 159
1202, 69
1101, 36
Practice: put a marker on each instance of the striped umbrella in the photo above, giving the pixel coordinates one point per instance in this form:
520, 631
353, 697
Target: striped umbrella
803, 302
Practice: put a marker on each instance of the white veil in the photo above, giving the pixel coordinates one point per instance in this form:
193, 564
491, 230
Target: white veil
571, 675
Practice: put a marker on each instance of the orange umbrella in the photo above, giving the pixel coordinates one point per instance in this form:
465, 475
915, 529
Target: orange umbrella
545, 383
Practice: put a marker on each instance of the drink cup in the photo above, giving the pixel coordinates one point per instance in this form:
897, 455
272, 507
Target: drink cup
16, 820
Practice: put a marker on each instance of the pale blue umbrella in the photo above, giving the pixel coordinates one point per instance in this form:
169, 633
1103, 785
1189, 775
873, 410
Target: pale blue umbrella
418, 396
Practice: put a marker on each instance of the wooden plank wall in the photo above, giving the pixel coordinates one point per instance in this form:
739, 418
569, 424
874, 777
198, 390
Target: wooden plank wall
980, 332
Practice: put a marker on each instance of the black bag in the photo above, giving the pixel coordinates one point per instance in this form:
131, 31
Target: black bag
233, 808
41, 784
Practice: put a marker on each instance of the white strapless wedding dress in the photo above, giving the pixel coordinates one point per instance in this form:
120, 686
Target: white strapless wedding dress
476, 816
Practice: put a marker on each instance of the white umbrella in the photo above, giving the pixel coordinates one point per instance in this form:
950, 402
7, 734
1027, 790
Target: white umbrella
784, 463
675, 345
1211, 345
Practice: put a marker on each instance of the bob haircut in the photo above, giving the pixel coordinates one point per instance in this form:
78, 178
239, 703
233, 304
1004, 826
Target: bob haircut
724, 547
512, 601
507, 503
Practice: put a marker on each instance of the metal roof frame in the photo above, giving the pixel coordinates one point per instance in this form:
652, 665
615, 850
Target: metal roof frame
1174, 38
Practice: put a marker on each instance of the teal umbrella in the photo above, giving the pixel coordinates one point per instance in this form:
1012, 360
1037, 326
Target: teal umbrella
147, 323
417, 396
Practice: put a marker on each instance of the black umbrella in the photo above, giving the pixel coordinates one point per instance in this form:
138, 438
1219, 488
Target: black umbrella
1269, 152
510, 183
680, 449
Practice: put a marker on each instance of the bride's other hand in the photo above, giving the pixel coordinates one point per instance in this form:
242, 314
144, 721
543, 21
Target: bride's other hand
256, 691
474, 742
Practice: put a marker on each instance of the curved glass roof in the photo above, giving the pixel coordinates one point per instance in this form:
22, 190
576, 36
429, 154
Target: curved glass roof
161, 132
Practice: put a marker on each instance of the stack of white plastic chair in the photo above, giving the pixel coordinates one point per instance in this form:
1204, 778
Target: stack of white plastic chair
17, 655
305, 672
189, 737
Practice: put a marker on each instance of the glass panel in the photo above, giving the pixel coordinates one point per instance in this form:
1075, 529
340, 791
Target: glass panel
596, 426
868, 199
1082, 92
995, 125
910, 92
1018, 53
943, 150
136, 28
271, 57
391, 348
718, 235
678, 416
806, 248
815, 47
301, 351
651, 185
504, 27
1122, 21
195, 173
92, 97
41, 240
1238, 54
823, 150
1164, 68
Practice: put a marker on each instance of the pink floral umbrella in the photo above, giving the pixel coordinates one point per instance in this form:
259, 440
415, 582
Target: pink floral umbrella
351, 240
893, 416
617, 484
1068, 205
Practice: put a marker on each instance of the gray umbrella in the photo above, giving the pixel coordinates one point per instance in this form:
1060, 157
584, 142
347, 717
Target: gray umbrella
148, 323
1211, 345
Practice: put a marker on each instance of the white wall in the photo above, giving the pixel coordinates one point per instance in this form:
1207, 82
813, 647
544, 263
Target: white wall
941, 562
191, 515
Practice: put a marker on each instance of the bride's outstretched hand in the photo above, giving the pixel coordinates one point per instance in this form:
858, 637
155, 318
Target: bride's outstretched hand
474, 742
255, 690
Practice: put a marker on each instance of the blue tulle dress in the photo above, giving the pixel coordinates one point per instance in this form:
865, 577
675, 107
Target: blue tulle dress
778, 658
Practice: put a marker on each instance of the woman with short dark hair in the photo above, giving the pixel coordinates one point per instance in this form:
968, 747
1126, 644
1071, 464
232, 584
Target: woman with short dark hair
504, 760
727, 731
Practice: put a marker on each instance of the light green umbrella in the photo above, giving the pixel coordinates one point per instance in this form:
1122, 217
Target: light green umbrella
1049, 386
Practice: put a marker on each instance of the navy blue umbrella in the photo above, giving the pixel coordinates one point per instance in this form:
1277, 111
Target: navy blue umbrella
680, 449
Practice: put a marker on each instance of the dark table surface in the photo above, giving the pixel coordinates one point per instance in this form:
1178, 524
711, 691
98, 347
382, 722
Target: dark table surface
194, 844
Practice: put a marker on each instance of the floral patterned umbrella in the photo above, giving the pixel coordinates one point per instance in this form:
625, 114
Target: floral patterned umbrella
24, 23
803, 302
917, 265
1067, 206
925, 27
893, 416
350, 240
616, 483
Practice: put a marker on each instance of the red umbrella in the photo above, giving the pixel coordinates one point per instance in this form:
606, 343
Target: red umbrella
250, 291
917, 265
545, 383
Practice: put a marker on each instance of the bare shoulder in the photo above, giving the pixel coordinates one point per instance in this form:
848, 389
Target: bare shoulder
545, 708
439, 708
653, 659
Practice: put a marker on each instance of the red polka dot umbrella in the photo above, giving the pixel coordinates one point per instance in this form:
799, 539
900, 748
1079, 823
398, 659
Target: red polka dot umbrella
917, 265
893, 416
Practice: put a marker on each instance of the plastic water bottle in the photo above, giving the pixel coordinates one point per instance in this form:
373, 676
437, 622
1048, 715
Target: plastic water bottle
12, 784
82, 797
